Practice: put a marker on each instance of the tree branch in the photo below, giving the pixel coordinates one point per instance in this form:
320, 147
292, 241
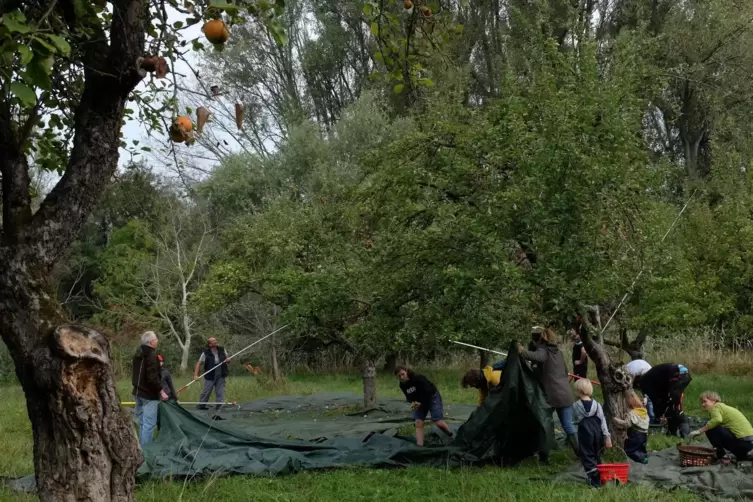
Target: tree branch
110, 76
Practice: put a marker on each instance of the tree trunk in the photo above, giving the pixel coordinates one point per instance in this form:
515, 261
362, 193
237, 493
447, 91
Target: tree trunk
84, 447
369, 384
186, 351
615, 382
390, 362
276, 374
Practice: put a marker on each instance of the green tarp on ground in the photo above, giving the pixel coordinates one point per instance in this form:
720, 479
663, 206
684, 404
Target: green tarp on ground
663, 471
190, 444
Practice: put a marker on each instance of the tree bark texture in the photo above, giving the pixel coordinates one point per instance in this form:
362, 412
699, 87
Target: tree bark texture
84, 445
85, 448
369, 384
276, 374
615, 382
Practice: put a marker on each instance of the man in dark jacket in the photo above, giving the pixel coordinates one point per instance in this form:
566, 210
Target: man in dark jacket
215, 360
665, 385
147, 386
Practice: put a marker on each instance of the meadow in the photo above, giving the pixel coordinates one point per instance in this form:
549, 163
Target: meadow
528, 482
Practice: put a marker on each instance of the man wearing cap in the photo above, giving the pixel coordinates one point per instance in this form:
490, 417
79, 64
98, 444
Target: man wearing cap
147, 386
215, 360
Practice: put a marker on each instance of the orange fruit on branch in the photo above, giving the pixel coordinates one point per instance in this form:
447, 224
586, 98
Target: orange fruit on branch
408, 4
425, 11
216, 31
180, 129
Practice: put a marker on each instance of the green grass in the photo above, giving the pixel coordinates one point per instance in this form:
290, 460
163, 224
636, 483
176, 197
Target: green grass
525, 483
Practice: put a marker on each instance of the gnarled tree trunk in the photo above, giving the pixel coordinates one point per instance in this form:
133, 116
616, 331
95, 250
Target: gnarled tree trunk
84, 447
615, 382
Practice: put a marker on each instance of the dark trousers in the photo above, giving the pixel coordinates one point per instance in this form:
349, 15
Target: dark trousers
723, 440
591, 442
581, 370
635, 445
671, 405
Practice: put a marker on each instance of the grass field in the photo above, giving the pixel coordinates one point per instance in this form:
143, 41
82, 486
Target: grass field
525, 483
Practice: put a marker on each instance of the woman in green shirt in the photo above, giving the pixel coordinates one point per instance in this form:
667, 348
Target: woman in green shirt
728, 429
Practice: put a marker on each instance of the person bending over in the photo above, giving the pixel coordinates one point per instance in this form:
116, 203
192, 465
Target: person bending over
593, 433
482, 380
728, 429
424, 398
665, 386
637, 424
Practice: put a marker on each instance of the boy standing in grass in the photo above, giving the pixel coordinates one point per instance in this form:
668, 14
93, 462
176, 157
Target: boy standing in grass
424, 398
637, 423
593, 433
728, 429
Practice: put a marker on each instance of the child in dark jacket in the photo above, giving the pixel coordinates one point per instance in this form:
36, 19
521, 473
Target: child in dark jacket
593, 433
637, 423
167, 381
424, 398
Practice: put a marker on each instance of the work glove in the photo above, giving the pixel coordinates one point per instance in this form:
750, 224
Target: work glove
695, 434
415, 405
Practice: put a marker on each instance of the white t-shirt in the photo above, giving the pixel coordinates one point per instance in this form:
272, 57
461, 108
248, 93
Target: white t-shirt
637, 367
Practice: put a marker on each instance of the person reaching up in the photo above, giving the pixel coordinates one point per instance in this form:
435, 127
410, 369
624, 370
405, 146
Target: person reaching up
424, 398
555, 380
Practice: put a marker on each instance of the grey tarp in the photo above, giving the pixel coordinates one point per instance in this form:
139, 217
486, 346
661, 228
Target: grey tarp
663, 471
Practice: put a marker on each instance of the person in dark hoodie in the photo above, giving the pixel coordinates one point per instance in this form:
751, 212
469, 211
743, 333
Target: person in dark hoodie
147, 386
665, 386
424, 398
167, 380
554, 379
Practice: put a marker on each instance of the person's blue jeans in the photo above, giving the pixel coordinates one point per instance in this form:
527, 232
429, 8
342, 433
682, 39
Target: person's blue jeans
566, 419
147, 411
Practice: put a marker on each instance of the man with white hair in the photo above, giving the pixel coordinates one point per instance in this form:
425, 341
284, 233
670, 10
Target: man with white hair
147, 386
215, 360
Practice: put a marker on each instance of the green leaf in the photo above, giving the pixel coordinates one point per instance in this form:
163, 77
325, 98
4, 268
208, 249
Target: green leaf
222, 6
398, 88
25, 54
178, 25
45, 45
60, 44
459, 28
426, 81
15, 22
379, 57
375, 29
24, 93
367, 9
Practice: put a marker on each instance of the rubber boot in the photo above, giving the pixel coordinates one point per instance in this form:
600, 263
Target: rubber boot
594, 479
572, 439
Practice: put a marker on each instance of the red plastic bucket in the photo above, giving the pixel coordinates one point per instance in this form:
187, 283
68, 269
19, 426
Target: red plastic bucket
611, 472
